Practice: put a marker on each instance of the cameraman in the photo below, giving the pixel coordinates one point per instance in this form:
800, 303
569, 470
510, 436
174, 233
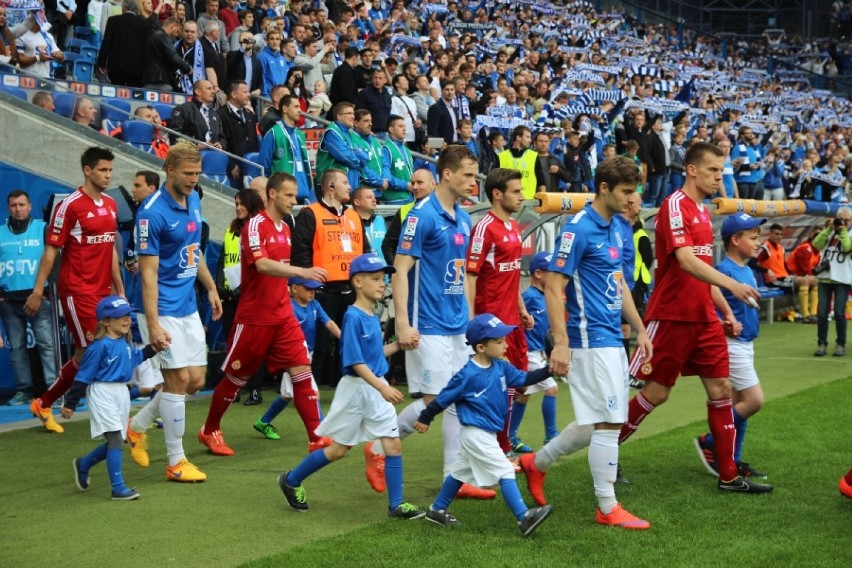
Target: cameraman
834, 276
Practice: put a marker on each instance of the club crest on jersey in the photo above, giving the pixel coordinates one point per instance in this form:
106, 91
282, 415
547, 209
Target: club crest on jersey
646, 369
476, 245
236, 365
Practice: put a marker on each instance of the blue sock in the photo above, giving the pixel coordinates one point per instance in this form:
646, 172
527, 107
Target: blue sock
512, 496
548, 411
134, 392
275, 408
741, 425
448, 492
113, 462
709, 439
99, 454
393, 480
518, 409
313, 462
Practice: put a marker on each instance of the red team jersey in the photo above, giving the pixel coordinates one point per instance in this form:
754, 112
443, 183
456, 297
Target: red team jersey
264, 300
678, 296
85, 230
494, 255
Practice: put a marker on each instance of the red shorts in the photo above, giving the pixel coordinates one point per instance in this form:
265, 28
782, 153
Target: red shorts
516, 352
684, 348
282, 346
80, 318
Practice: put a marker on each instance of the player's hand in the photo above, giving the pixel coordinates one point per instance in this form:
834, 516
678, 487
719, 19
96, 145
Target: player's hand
420, 427
215, 303
745, 293
731, 326
527, 321
159, 337
33, 304
407, 337
315, 273
644, 346
392, 395
66, 413
560, 360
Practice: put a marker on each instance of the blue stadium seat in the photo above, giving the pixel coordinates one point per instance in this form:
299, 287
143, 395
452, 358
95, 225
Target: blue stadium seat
768, 295
90, 52
138, 133
64, 103
165, 110
111, 118
75, 44
214, 165
250, 171
15, 92
83, 70
83, 33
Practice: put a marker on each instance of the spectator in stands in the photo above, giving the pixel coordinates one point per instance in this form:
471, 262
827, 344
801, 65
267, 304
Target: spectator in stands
296, 83
370, 173
211, 14
272, 115
60, 15
243, 65
636, 128
44, 100
148, 14
729, 182
397, 163
337, 150
491, 149
773, 178
363, 72
464, 136
239, 127
190, 50
8, 49
109, 9
553, 170
121, 54
84, 113
160, 62
422, 98
272, 62
228, 16
746, 163
37, 48
310, 62
522, 158
577, 161
441, 119
246, 24
342, 87
404, 106
214, 59
21, 245
196, 118
377, 100
284, 149
677, 151
364, 203
654, 189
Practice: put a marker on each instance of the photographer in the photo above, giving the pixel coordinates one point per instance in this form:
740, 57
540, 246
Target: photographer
834, 276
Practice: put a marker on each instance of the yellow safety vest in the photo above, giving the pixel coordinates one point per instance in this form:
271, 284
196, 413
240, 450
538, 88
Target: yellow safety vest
526, 165
641, 273
230, 252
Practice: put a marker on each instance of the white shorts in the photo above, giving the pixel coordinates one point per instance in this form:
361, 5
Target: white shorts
146, 375
358, 414
189, 344
598, 381
536, 360
481, 462
109, 408
431, 366
741, 356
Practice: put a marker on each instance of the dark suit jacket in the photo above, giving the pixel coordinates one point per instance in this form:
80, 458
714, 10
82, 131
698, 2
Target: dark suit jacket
439, 122
216, 61
160, 60
236, 64
342, 85
241, 136
187, 119
123, 44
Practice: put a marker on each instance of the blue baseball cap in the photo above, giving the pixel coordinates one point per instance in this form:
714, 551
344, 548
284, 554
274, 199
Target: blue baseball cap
309, 284
486, 326
541, 261
369, 262
740, 222
112, 307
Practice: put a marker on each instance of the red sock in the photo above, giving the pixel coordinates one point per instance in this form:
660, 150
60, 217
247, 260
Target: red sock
305, 398
638, 408
62, 384
721, 419
503, 435
849, 477
224, 394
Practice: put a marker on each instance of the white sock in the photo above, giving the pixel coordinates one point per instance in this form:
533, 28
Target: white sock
571, 439
143, 419
173, 412
409, 416
450, 430
603, 462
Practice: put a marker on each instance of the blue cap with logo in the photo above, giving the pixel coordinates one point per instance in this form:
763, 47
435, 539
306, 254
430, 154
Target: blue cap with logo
112, 307
369, 262
309, 284
541, 261
486, 326
740, 222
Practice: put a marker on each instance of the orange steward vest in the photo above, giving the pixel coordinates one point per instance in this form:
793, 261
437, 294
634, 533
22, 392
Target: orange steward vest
337, 240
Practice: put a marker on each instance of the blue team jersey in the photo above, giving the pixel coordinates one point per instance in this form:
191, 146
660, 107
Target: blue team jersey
480, 393
173, 233
589, 252
436, 300
361, 342
745, 314
537, 308
20, 255
108, 360
308, 316
628, 251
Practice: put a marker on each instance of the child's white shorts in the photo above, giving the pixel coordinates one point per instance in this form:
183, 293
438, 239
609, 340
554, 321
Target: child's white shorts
536, 360
358, 414
109, 408
741, 361
481, 462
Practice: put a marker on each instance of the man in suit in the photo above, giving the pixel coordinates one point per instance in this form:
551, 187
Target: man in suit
243, 64
441, 120
376, 99
239, 126
121, 53
160, 61
342, 88
197, 119
214, 60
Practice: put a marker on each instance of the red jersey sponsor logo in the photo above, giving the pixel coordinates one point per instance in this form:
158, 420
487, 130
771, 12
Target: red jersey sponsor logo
704, 250
99, 239
509, 266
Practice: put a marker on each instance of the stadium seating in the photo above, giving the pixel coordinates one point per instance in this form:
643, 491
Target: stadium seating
113, 113
90, 52
83, 70
214, 165
64, 103
767, 295
138, 133
164, 110
15, 92
251, 171
75, 44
